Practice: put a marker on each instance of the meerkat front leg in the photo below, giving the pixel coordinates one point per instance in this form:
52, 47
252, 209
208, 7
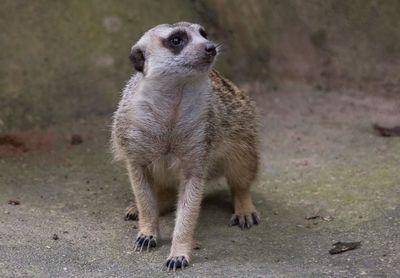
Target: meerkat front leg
189, 201
146, 202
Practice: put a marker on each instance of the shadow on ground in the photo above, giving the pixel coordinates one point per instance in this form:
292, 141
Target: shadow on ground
320, 158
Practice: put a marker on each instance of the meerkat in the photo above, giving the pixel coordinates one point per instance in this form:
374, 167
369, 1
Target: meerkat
178, 125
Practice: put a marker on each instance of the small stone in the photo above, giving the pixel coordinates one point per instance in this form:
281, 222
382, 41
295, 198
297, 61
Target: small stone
76, 139
341, 247
55, 237
196, 246
312, 217
14, 202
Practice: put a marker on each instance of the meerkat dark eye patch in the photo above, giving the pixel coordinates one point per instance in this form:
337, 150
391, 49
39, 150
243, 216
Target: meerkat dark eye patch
203, 33
176, 41
137, 59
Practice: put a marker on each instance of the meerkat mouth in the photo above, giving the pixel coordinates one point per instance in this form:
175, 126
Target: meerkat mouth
205, 62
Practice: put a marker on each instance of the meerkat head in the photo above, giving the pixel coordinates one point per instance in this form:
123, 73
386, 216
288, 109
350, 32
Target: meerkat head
178, 49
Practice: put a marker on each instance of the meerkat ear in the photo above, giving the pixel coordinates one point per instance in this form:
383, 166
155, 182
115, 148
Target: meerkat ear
137, 58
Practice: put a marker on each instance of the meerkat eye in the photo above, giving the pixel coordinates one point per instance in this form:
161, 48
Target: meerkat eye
176, 41
203, 33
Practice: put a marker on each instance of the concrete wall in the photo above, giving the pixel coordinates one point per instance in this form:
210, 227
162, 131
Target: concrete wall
63, 60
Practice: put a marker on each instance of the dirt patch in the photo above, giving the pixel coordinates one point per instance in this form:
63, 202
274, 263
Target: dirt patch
27, 142
387, 131
12, 142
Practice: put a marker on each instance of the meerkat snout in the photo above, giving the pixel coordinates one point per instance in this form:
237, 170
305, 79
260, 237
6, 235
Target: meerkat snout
211, 49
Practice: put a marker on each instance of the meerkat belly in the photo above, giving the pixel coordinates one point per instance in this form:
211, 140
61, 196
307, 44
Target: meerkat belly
165, 171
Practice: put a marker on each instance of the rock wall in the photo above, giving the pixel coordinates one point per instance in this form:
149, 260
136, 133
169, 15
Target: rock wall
65, 60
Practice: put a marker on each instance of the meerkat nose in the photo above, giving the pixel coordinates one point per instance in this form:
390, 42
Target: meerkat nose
211, 49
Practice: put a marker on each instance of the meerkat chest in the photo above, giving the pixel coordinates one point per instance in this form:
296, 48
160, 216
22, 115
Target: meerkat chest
168, 122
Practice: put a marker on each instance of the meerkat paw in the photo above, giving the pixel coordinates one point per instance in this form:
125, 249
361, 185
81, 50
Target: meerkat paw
145, 241
176, 262
131, 213
245, 220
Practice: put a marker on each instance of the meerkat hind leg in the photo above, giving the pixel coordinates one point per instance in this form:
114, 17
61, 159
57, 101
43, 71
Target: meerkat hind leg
240, 181
245, 214
131, 212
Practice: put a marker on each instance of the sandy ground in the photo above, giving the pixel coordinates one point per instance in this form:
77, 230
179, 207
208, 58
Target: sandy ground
321, 157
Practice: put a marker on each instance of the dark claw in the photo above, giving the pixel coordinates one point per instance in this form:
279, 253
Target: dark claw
131, 214
245, 222
131, 217
256, 218
178, 263
175, 263
167, 263
145, 241
242, 222
249, 221
234, 220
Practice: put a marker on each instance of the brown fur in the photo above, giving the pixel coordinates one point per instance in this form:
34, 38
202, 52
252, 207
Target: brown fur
234, 125
176, 132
